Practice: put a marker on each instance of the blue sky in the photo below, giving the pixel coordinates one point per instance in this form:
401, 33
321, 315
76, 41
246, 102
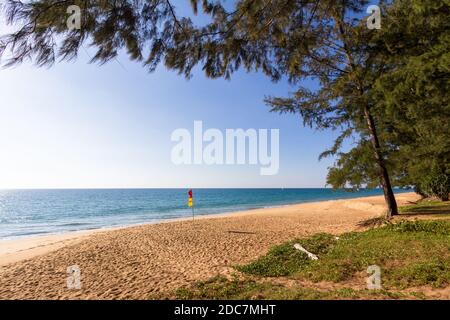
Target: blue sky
79, 125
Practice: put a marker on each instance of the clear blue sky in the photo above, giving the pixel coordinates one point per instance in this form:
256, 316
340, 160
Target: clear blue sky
79, 125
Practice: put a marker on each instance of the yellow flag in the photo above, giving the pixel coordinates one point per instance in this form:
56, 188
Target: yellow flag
190, 198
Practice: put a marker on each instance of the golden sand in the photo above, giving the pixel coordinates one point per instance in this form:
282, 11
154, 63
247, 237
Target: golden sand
136, 262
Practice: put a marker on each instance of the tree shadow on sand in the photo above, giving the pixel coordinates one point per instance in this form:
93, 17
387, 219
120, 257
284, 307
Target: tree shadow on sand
441, 209
414, 209
241, 232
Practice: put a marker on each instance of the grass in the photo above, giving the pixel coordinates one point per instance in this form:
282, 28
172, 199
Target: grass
284, 260
221, 288
427, 207
411, 254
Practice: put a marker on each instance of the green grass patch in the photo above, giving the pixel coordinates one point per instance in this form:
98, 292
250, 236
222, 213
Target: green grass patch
220, 288
427, 207
409, 254
284, 260
432, 227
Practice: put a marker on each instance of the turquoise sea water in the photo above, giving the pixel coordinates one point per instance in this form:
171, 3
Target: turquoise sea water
37, 212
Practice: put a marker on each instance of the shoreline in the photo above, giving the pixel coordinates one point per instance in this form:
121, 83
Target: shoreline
201, 216
27, 247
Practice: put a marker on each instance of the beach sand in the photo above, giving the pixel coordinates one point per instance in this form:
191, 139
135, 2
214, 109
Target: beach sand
138, 262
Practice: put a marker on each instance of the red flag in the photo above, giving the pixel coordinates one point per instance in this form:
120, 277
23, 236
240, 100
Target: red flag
190, 201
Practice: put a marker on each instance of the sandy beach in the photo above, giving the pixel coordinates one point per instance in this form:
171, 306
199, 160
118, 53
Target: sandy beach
138, 262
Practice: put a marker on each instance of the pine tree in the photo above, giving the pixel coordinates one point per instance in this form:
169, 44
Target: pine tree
413, 94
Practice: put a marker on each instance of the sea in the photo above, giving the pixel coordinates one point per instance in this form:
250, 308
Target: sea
25, 213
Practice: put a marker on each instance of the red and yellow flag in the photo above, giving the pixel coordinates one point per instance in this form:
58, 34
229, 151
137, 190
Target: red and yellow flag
190, 203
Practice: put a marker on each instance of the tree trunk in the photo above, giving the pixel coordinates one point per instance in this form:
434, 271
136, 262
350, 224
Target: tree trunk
384, 176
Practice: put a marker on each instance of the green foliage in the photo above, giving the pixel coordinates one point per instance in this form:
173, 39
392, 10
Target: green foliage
436, 184
354, 168
221, 288
428, 207
413, 92
253, 34
435, 272
433, 227
409, 254
285, 260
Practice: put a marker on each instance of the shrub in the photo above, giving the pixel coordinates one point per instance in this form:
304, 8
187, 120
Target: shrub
436, 184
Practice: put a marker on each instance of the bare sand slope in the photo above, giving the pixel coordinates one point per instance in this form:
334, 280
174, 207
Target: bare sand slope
133, 263
17, 250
